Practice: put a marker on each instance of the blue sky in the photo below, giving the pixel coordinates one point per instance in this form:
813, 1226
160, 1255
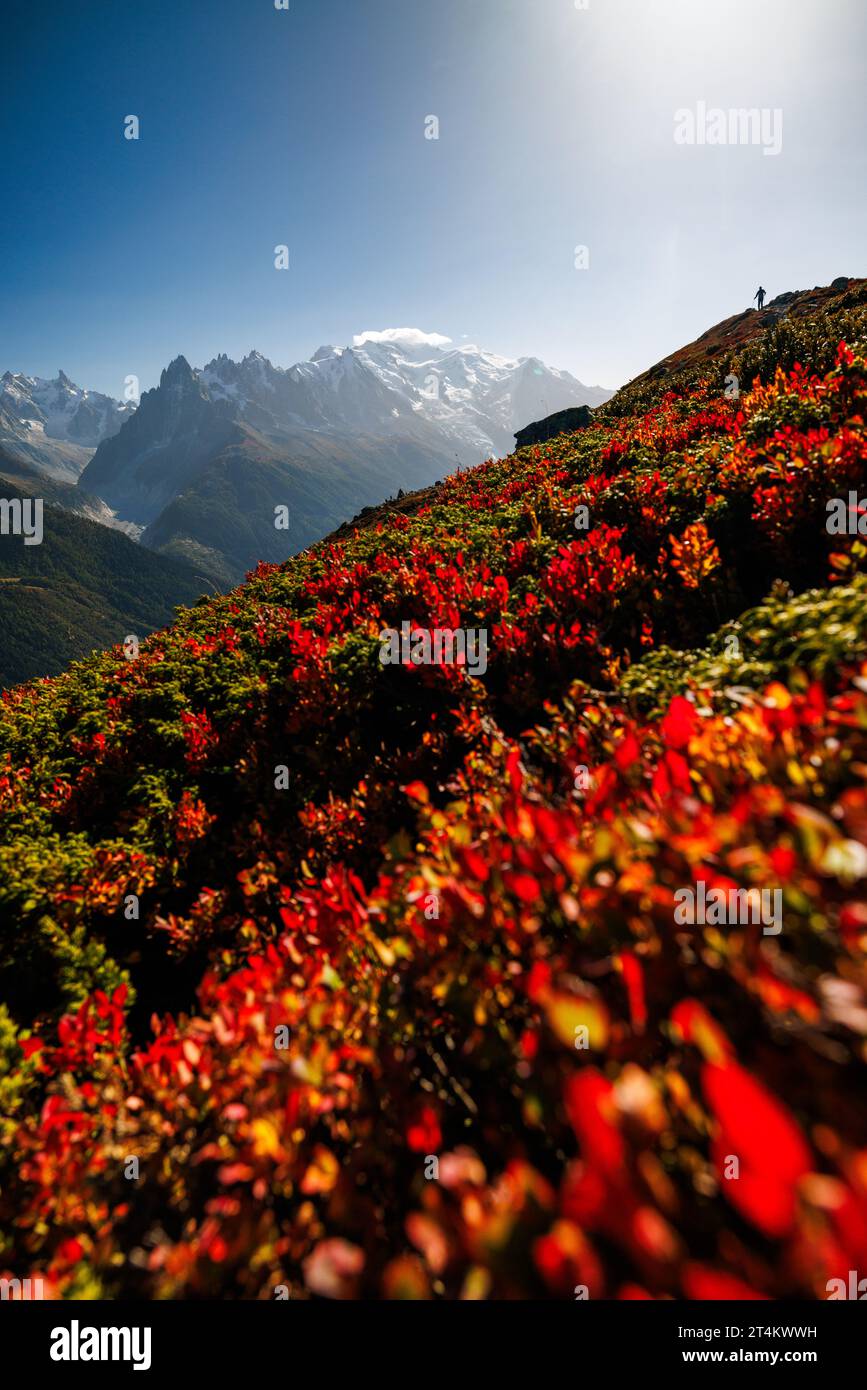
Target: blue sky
307, 127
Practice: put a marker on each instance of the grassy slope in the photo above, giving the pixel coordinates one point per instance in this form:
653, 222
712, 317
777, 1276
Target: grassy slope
85, 587
225, 518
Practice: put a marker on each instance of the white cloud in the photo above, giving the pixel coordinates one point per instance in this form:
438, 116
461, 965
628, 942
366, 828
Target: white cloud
408, 337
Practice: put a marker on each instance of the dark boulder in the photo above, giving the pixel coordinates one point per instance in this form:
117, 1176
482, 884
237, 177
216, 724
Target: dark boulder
576, 417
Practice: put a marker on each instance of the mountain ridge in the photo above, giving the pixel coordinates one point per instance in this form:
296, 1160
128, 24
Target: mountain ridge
54, 424
404, 404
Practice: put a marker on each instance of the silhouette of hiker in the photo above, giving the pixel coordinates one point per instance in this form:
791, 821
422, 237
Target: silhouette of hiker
760, 296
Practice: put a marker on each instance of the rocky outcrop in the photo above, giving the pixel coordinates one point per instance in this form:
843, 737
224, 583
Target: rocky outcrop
562, 422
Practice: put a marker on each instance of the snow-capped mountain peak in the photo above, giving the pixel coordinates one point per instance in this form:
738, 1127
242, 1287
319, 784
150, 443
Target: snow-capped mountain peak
477, 397
60, 409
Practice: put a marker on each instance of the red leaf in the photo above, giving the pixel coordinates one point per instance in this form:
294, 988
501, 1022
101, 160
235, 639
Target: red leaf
701, 1282
417, 791
423, 1135
679, 723
590, 1106
763, 1133
524, 886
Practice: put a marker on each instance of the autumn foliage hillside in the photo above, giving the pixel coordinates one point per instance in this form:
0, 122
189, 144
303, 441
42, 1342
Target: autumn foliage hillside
374, 970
